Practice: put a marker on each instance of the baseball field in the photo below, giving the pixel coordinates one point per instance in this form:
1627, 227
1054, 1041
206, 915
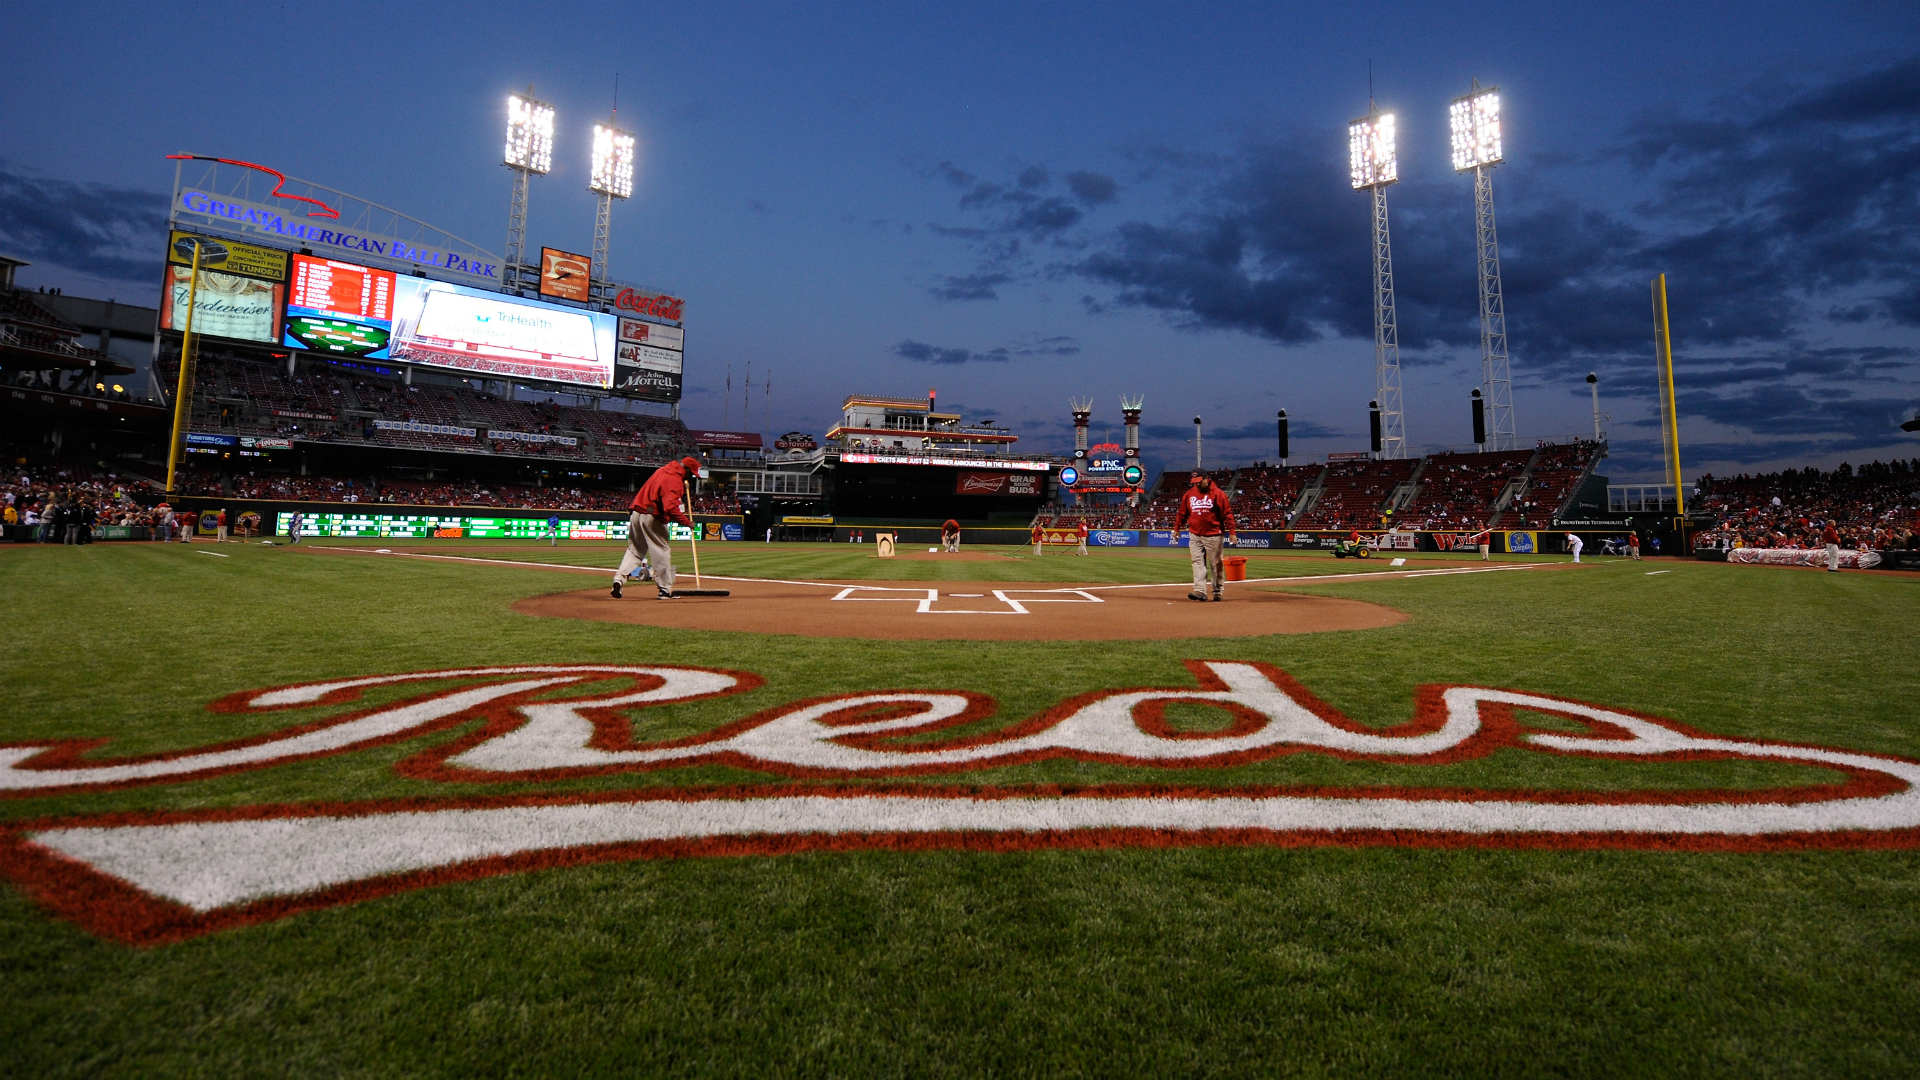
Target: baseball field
447, 808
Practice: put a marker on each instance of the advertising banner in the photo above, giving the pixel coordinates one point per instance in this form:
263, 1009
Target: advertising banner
904, 458
1114, 538
231, 256
424, 428
1525, 542
651, 304
488, 334
662, 343
1849, 559
646, 384
974, 482
726, 440
224, 305
565, 275
340, 307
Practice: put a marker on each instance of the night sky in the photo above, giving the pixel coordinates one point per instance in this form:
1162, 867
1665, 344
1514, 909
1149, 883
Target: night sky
1020, 204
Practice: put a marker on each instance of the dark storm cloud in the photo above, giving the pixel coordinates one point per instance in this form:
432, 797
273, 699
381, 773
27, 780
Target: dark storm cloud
1092, 188
1768, 217
1040, 347
970, 287
117, 234
922, 353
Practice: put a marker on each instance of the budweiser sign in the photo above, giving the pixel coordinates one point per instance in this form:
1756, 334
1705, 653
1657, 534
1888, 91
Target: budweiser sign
654, 305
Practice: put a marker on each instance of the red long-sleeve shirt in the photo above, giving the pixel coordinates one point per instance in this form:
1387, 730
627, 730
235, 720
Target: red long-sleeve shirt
664, 494
1205, 513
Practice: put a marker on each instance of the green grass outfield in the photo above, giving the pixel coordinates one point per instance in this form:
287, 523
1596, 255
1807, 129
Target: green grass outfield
1398, 955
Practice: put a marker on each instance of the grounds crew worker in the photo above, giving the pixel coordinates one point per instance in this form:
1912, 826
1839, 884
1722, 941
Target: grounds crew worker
950, 535
660, 500
1204, 513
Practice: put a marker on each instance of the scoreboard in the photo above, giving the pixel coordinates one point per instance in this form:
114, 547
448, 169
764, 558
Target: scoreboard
340, 307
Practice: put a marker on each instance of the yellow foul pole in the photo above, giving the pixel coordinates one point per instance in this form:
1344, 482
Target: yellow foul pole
181, 402
1669, 415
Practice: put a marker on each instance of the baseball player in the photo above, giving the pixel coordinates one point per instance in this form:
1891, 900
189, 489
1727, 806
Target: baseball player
553, 530
660, 500
1574, 544
950, 535
1205, 514
1484, 540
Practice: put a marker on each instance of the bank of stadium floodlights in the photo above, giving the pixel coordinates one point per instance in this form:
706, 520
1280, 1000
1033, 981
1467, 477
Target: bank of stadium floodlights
529, 150
1475, 122
610, 179
1374, 163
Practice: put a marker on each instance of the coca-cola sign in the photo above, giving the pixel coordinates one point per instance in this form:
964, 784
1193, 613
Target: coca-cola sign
653, 305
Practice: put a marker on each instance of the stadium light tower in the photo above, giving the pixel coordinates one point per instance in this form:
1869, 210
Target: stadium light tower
1475, 122
612, 178
529, 150
1374, 163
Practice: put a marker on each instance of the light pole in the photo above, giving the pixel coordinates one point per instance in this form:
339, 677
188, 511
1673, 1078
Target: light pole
1593, 383
529, 150
612, 178
1475, 122
1196, 444
1373, 164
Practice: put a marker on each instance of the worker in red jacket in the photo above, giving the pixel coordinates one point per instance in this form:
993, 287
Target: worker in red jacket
662, 499
1205, 514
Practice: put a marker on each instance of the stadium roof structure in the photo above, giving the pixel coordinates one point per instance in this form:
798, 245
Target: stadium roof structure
33, 338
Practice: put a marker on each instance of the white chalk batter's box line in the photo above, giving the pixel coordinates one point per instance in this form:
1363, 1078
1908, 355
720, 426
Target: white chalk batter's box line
1016, 600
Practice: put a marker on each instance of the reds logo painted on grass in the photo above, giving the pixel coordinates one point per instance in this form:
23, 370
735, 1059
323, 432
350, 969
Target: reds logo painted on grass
165, 875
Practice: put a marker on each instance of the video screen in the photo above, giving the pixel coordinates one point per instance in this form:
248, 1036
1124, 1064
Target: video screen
497, 336
224, 305
339, 307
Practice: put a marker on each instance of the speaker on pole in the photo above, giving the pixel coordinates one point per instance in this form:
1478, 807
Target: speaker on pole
1283, 436
1479, 421
1373, 421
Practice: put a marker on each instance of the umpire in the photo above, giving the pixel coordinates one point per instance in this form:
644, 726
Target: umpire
659, 501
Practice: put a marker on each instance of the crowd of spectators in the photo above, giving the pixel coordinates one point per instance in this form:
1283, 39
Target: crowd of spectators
1876, 506
63, 504
244, 395
1449, 492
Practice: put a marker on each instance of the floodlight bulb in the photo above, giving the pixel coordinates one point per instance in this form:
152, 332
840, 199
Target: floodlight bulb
1372, 156
612, 162
529, 134
1474, 121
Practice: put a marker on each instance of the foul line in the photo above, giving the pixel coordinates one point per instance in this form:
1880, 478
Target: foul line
1083, 592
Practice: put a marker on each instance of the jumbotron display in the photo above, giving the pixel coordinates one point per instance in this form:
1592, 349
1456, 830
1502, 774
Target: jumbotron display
440, 324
